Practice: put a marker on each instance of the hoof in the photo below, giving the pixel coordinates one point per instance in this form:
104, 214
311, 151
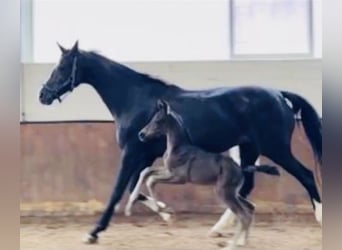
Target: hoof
241, 242
318, 212
166, 216
214, 234
222, 244
90, 239
168, 210
128, 212
161, 204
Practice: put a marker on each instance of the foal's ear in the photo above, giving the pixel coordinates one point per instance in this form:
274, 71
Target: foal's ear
162, 105
168, 108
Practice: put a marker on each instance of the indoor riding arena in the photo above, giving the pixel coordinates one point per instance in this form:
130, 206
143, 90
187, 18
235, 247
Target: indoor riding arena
72, 150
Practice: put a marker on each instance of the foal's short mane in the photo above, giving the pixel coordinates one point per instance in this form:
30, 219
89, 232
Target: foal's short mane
180, 123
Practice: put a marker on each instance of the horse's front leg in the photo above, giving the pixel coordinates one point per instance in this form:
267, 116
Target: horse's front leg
130, 162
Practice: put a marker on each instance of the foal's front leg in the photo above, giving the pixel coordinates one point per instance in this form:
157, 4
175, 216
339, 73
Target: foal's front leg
154, 178
134, 196
162, 176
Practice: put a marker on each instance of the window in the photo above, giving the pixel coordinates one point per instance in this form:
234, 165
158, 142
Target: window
173, 30
132, 30
271, 27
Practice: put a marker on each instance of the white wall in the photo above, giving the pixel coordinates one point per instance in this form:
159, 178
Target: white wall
301, 76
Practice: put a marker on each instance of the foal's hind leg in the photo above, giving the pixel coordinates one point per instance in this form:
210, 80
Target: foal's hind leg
226, 217
244, 220
248, 157
249, 208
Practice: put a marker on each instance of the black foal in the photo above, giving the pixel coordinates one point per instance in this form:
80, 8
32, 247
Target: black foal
185, 163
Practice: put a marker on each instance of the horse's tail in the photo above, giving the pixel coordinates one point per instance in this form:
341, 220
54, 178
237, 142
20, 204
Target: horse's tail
271, 170
311, 122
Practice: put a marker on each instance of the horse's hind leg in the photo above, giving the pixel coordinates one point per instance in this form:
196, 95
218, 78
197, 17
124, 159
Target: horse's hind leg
248, 155
284, 158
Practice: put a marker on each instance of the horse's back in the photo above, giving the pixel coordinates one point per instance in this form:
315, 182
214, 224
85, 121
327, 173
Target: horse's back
220, 118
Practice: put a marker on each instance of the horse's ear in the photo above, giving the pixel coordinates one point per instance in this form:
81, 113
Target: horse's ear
75, 47
63, 50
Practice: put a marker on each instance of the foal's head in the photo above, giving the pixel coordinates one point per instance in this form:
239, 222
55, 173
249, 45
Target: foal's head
65, 76
159, 123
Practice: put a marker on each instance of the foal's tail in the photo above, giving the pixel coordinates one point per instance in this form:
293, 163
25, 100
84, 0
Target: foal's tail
311, 122
271, 170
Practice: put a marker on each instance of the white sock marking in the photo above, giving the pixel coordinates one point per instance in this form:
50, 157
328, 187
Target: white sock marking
318, 212
242, 241
224, 220
152, 205
235, 154
135, 193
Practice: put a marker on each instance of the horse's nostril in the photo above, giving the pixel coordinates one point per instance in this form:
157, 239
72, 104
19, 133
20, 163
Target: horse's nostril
141, 136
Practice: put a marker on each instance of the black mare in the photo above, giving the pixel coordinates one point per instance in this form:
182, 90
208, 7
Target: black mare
257, 119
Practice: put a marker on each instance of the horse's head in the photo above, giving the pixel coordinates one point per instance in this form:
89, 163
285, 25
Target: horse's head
158, 124
64, 78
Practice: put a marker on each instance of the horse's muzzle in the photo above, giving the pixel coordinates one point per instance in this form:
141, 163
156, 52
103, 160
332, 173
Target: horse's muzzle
45, 97
142, 136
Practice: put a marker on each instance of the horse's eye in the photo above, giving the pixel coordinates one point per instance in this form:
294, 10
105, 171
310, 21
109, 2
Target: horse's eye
62, 68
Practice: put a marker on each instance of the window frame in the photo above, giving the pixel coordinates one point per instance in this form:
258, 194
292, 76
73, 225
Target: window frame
26, 28
272, 56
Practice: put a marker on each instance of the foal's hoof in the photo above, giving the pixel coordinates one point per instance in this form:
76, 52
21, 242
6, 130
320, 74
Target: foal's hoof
241, 242
90, 239
128, 212
166, 217
168, 210
215, 234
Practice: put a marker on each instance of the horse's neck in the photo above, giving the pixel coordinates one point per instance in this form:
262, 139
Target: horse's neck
118, 85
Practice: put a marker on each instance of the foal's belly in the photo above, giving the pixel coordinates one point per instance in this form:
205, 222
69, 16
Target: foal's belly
204, 172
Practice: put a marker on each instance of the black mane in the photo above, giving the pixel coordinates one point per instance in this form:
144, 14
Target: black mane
143, 76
